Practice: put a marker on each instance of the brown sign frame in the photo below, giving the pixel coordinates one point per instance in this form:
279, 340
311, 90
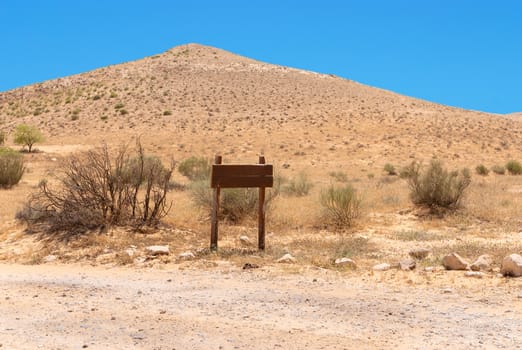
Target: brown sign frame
259, 175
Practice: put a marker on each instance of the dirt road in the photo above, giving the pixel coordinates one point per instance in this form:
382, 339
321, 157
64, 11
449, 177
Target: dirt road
74, 307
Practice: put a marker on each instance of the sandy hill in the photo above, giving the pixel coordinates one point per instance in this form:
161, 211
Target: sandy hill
195, 99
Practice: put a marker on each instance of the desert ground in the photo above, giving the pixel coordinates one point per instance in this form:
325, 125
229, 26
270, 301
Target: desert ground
104, 290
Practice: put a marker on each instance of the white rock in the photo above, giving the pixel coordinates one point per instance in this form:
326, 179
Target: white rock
476, 274
187, 256
419, 253
49, 258
407, 264
512, 266
346, 262
382, 267
454, 261
158, 250
130, 252
287, 258
483, 263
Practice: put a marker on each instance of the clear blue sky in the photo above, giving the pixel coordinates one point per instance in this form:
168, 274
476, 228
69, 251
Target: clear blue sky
465, 53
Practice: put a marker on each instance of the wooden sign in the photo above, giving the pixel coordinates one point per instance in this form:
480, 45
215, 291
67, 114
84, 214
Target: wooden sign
240, 176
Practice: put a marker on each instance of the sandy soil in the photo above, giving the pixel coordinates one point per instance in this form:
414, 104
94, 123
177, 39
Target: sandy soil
73, 307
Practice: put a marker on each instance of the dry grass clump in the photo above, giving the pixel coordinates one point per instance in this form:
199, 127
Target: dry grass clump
341, 205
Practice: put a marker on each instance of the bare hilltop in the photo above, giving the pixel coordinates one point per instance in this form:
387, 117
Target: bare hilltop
196, 99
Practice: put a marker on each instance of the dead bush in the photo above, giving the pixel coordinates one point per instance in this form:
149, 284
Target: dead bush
96, 190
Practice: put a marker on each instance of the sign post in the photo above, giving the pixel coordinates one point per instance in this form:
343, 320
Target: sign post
259, 175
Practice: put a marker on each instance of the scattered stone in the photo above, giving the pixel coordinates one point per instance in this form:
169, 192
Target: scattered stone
250, 266
447, 291
419, 253
49, 258
407, 264
346, 262
158, 250
476, 274
429, 269
483, 263
382, 267
512, 266
454, 261
130, 252
287, 259
187, 256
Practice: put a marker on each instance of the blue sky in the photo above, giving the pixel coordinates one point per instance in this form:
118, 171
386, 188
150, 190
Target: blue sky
464, 53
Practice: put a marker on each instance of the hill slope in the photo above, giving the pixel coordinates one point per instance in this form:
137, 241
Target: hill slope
195, 99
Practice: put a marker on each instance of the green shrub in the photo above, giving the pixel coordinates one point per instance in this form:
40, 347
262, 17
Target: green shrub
3, 136
390, 169
514, 167
11, 167
235, 204
436, 187
341, 205
498, 169
482, 170
195, 168
298, 186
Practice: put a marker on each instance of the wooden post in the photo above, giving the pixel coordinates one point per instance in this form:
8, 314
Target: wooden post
215, 210
261, 213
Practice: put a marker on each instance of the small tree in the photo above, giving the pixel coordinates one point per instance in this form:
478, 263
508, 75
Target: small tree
27, 135
2, 138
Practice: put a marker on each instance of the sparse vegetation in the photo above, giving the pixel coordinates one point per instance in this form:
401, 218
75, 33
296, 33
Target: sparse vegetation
11, 167
339, 176
437, 188
514, 167
482, 170
298, 186
27, 135
167, 112
341, 205
195, 168
498, 169
390, 169
3, 137
96, 190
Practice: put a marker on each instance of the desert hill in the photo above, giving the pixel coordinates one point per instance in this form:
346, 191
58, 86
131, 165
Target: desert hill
195, 99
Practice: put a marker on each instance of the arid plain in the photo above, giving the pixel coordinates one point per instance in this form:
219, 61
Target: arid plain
195, 100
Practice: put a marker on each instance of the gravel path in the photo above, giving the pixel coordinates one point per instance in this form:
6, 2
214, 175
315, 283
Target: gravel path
75, 307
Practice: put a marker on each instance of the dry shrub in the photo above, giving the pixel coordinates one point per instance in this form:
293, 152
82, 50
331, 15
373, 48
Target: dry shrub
11, 167
195, 168
96, 190
437, 188
514, 167
298, 186
341, 205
